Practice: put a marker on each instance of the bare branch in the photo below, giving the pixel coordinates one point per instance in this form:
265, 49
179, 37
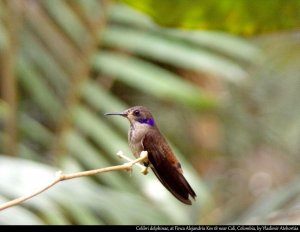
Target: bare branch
61, 177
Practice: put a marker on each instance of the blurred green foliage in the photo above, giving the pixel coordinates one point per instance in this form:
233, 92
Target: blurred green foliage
239, 17
228, 106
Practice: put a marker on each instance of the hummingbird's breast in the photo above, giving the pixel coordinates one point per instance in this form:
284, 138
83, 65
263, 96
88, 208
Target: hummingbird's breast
136, 134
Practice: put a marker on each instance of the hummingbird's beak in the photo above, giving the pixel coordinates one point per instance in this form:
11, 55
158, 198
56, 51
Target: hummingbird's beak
120, 114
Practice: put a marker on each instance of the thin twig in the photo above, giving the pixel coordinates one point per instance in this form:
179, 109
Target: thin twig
61, 177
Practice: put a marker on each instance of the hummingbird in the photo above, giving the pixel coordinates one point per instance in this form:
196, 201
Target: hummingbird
144, 135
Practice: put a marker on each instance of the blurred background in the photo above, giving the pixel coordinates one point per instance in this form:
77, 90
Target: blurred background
222, 79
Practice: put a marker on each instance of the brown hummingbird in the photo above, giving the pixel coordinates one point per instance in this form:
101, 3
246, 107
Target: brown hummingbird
144, 135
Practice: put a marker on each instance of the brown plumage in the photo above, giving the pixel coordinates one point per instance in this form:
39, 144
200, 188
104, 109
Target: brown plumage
145, 135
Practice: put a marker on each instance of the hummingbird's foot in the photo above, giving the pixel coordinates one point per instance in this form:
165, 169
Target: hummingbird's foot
145, 170
144, 167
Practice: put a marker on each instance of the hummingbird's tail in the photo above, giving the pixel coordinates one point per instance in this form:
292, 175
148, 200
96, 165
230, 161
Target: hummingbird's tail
175, 182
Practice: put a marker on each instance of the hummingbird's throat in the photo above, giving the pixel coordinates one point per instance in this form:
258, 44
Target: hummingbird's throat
149, 121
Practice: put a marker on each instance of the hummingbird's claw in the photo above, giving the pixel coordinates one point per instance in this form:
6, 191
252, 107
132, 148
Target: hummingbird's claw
145, 171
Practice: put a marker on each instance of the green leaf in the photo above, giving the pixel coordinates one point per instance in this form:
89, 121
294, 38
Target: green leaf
48, 66
84, 152
238, 17
152, 80
38, 90
97, 97
221, 43
34, 130
171, 51
99, 131
67, 20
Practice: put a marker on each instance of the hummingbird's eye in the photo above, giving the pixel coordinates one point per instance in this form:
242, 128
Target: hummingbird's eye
136, 113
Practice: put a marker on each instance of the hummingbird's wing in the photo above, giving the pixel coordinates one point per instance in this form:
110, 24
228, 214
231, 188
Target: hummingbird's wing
166, 167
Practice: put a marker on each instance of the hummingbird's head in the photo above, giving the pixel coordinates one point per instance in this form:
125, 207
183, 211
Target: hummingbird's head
137, 114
